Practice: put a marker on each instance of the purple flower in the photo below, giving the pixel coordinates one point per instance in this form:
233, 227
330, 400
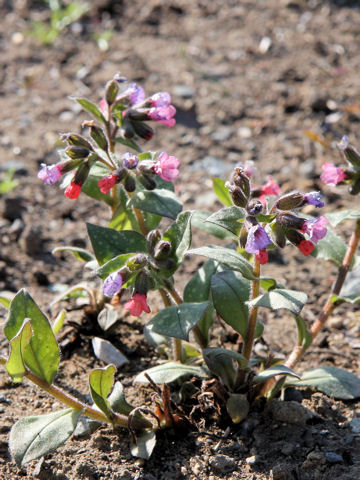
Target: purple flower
163, 115
160, 99
344, 143
257, 239
135, 93
112, 284
314, 198
316, 229
130, 160
50, 175
332, 175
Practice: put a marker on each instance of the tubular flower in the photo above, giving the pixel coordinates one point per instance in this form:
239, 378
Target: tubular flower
135, 93
306, 247
332, 175
257, 239
316, 229
112, 284
163, 115
270, 188
160, 99
262, 256
73, 190
106, 183
314, 198
137, 304
50, 175
166, 167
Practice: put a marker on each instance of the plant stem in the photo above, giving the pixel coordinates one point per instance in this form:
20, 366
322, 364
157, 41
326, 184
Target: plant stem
72, 402
141, 221
298, 351
175, 342
250, 334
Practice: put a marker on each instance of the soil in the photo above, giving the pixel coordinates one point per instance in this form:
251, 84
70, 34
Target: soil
247, 78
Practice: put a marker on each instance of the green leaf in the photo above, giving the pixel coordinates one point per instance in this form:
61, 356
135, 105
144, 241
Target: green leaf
79, 253
100, 382
221, 363
304, 336
178, 320
337, 217
199, 221
59, 321
117, 400
331, 248
169, 372
334, 382
42, 354
128, 143
350, 291
229, 292
143, 445
280, 298
179, 235
108, 243
237, 407
160, 202
228, 218
228, 257
91, 108
91, 187
15, 365
221, 191
5, 299
274, 372
113, 265
33, 437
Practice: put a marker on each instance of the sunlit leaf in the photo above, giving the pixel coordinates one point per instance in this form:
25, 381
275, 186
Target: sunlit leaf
100, 382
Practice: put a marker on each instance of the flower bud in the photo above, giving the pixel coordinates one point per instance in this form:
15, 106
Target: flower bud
254, 207
127, 129
240, 179
75, 139
75, 152
294, 236
166, 264
153, 237
148, 182
130, 184
288, 220
111, 91
146, 166
290, 200
278, 235
351, 155
243, 237
143, 130
70, 165
237, 195
137, 262
97, 134
82, 173
142, 283
355, 187
162, 250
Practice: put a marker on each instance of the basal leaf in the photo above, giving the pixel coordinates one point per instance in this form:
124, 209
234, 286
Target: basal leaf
178, 320
108, 243
221, 363
100, 382
143, 445
304, 336
237, 407
33, 437
42, 354
59, 321
229, 292
15, 365
280, 298
160, 202
117, 400
221, 191
228, 218
169, 372
274, 372
79, 253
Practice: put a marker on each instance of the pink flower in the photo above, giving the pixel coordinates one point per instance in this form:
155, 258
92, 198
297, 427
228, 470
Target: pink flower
50, 175
73, 190
166, 167
106, 183
137, 304
163, 115
160, 99
104, 107
262, 256
332, 175
306, 247
270, 188
316, 229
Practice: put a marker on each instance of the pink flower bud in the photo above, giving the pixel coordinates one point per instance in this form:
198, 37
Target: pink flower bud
137, 304
306, 247
332, 175
166, 167
262, 256
73, 190
106, 183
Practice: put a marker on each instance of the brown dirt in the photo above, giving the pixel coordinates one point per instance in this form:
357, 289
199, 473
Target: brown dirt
236, 101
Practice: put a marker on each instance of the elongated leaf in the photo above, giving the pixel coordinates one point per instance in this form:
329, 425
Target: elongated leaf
228, 257
117, 400
42, 354
169, 372
128, 143
337, 217
15, 365
199, 221
91, 108
59, 321
160, 202
144, 445
113, 265
33, 437
221, 191
334, 382
274, 372
177, 321
79, 253
228, 218
108, 243
100, 382
331, 248
350, 291
279, 298
74, 291
229, 292
305, 337
179, 234
5, 299
221, 363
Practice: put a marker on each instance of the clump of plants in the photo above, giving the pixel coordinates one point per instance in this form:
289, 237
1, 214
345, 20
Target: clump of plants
139, 253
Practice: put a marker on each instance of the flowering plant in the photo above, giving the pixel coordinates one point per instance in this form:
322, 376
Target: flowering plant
136, 253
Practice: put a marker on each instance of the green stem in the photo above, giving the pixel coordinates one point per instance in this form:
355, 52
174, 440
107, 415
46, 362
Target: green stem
176, 342
250, 334
72, 402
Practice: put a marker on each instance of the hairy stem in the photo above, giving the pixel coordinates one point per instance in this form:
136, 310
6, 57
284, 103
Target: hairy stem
250, 334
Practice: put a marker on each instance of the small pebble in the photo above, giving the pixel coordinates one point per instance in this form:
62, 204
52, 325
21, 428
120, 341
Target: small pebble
222, 463
251, 460
355, 425
332, 457
183, 91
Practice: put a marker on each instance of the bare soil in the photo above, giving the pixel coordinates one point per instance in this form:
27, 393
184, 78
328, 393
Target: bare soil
247, 79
